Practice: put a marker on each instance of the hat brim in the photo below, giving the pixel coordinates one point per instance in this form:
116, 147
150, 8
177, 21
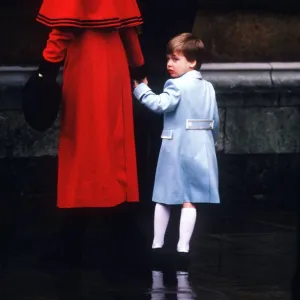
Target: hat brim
41, 102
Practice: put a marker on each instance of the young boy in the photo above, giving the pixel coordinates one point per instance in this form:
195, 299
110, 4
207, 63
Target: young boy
187, 171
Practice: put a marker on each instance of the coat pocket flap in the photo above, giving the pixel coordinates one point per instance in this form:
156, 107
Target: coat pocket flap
199, 124
167, 134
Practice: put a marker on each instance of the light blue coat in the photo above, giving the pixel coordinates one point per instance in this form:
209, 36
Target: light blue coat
187, 169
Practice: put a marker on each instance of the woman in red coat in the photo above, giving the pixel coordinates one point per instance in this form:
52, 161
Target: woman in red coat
98, 41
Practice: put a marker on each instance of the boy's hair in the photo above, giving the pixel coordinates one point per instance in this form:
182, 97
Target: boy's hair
189, 45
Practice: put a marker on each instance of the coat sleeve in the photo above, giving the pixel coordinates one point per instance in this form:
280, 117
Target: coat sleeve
130, 39
165, 102
132, 46
57, 45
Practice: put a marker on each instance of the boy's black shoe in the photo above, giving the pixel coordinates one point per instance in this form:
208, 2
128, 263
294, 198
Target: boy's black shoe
182, 262
41, 97
158, 259
162, 261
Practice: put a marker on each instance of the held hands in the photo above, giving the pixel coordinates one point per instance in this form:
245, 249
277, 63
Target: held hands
139, 75
136, 83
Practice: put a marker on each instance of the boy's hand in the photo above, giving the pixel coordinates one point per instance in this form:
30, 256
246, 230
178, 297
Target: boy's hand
136, 83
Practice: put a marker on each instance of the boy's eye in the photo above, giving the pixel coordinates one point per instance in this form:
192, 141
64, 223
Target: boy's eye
174, 57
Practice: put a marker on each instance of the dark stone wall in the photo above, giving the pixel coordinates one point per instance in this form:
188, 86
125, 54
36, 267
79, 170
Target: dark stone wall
265, 5
256, 36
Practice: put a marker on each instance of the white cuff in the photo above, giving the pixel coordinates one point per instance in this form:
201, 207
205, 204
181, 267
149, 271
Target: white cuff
140, 90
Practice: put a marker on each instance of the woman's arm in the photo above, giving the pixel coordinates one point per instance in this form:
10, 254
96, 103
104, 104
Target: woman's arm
54, 52
130, 39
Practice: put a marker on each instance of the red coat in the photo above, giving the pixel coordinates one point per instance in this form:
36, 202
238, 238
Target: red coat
97, 161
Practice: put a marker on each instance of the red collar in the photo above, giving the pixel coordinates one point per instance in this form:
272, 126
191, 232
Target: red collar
89, 13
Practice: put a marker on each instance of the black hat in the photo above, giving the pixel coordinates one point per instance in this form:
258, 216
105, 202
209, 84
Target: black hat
41, 101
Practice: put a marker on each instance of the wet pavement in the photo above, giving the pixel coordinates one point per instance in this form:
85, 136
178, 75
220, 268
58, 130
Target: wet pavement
246, 252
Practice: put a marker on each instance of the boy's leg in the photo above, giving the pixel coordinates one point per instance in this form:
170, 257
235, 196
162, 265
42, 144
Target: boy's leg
186, 227
161, 220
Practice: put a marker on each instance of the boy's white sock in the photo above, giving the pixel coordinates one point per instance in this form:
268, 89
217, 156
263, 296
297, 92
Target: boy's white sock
161, 220
186, 228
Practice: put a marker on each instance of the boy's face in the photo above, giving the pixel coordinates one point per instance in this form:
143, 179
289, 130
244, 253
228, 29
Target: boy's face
177, 64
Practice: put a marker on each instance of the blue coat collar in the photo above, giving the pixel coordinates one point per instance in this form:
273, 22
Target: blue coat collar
192, 74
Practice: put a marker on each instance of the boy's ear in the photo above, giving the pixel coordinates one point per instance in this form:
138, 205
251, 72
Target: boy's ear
193, 64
